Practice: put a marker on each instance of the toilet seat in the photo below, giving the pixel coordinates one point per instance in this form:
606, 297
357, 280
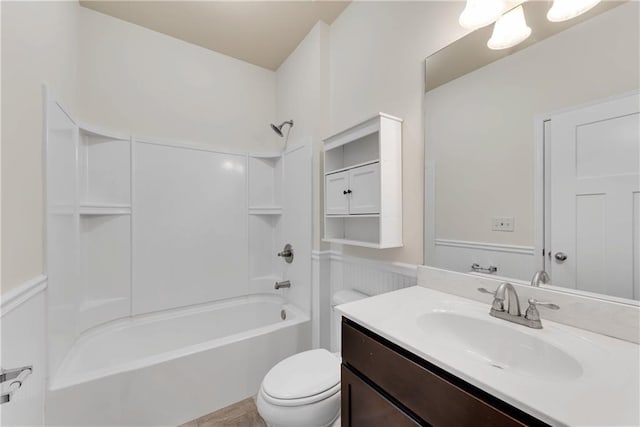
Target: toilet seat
302, 401
302, 379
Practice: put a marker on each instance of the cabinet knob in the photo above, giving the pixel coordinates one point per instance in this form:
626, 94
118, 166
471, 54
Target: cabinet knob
347, 192
344, 192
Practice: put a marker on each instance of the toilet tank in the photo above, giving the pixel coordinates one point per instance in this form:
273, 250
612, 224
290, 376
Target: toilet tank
341, 297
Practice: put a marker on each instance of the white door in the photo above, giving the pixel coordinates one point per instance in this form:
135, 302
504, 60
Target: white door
594, 168
364, 186
336, 201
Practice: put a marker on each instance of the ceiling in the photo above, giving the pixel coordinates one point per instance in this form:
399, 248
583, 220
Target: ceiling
263, 33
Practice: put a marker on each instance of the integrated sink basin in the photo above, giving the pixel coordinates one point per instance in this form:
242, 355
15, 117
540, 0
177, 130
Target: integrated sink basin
500, 346
562, 375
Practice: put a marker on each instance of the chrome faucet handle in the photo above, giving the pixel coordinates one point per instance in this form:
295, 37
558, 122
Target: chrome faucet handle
532, 312
498, 301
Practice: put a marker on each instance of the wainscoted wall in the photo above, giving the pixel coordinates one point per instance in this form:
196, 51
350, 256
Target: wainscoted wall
24, 342
458, 255
333, 271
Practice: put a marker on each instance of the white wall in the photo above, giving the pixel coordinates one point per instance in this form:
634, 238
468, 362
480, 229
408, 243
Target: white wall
303, 95
485, 167
39, 44
139, 81
377, 57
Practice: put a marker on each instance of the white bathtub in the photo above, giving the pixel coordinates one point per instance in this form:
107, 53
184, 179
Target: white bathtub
168, 368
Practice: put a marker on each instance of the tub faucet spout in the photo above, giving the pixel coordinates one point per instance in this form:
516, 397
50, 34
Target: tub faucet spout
283, 284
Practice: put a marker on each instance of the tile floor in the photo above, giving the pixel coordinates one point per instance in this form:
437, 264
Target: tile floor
240, 414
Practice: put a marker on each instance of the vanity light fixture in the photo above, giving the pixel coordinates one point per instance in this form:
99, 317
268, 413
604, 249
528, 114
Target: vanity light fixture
511, 27
563, 10
509, 30
480, 13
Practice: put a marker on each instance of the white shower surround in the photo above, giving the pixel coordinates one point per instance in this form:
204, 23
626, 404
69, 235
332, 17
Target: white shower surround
179, 340
168, 368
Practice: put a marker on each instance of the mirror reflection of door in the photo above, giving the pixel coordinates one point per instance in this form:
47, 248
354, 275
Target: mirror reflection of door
592, 197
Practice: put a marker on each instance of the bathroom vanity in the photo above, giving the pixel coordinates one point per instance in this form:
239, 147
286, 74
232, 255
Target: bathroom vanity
423, 357
383, 385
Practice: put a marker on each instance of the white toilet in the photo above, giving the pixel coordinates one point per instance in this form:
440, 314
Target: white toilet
304, 390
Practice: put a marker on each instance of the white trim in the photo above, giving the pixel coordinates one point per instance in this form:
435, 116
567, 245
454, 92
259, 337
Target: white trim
391, 266
485, 246
15, 297
100, 131
320, 255
189, 146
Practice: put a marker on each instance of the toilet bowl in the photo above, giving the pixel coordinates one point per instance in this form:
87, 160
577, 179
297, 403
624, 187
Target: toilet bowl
303, 390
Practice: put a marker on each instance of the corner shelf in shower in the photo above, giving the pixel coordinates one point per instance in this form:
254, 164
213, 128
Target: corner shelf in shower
104, 205
265, 216
105, 209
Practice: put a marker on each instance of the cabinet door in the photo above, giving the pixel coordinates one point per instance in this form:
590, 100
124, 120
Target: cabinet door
364, 406
364, 183
336, 201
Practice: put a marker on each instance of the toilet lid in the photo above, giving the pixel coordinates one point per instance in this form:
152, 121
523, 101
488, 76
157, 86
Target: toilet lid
302, 375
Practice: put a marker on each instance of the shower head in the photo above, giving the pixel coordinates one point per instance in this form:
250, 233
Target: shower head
278, 128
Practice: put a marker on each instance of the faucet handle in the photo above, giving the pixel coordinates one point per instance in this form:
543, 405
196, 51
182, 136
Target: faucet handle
498, 301
535, 302
532, 311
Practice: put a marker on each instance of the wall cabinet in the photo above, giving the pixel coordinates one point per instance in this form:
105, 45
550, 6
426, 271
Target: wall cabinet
383, 384
354, 192
363, 184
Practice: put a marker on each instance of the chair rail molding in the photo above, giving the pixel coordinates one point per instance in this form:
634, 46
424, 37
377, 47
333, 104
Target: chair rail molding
15, 297
495, 247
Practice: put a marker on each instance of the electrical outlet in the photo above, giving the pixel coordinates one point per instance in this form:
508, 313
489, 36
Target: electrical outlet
502, 223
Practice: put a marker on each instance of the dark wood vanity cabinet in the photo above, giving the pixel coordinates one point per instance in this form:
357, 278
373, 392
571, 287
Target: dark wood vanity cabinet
385, 385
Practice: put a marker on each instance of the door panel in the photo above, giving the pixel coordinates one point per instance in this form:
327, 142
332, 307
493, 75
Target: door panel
364, 183
594, 162
336, 201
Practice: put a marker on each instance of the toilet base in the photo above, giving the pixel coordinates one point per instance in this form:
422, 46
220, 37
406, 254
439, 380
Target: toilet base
319, 414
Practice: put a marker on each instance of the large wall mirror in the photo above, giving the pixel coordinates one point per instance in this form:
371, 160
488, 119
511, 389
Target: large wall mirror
532, 160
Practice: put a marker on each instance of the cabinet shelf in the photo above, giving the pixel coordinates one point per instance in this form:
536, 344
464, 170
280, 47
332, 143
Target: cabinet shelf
352, 167
265, 210
354, 216
354, 243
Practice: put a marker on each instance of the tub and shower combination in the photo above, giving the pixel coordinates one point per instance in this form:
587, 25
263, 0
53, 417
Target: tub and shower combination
161, 263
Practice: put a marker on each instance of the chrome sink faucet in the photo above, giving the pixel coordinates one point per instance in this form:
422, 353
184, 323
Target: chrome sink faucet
506, 306
541, 276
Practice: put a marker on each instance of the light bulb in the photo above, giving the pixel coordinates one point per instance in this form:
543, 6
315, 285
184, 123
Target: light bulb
563, 10
480, 13
509, 30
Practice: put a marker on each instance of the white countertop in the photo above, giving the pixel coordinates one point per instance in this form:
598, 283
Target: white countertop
605, 393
